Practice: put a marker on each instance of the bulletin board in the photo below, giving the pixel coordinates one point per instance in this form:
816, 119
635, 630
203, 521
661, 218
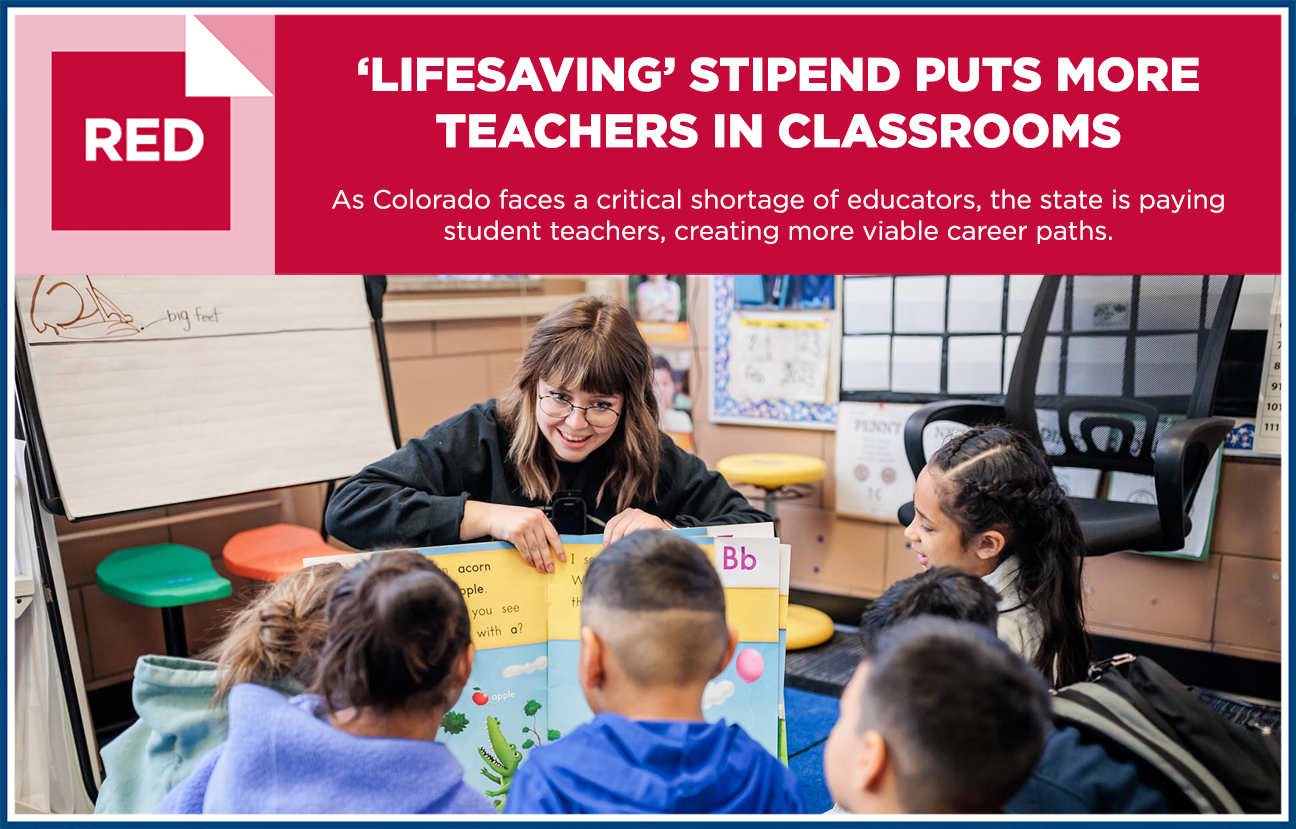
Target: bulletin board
915, 339
919, 338
804, 343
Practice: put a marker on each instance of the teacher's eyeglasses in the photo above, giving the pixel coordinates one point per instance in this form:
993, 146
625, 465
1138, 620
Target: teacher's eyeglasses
599, 416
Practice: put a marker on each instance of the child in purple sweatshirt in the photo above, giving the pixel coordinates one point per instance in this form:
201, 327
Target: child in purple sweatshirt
397, 657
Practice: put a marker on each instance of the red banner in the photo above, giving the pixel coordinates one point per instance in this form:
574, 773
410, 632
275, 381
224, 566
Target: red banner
402, 147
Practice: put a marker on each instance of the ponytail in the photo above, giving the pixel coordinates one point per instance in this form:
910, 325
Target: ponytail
396, 626
279, 634
997, 479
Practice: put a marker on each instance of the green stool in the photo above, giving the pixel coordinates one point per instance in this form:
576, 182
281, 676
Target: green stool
168, 576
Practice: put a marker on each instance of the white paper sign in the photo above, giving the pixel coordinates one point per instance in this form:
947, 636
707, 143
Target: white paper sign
781, 356
1078, 482
874, 478
866, 306
1141, 489
873, 475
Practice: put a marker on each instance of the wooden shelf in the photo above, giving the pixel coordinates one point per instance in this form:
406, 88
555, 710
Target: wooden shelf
472, 308
530, 301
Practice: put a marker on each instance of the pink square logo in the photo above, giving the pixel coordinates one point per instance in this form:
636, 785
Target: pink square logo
130, 151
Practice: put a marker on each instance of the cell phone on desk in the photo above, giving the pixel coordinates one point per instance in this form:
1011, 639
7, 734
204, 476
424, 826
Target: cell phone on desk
567, 512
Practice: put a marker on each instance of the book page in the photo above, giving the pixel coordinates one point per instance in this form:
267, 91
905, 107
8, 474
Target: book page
503, 711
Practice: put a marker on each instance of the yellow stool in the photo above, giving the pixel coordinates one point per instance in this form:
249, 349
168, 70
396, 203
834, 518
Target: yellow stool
784, 477
777, 474
807, 627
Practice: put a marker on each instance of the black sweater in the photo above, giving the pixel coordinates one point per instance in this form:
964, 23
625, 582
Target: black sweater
415, 497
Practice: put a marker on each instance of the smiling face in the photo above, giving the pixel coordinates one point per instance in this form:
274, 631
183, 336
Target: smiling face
937, 539
572, 437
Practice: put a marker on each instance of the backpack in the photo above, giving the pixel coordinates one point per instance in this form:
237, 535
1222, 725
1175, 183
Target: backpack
1218, 766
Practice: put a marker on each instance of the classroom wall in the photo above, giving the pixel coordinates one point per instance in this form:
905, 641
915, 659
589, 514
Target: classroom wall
1229, 603
438, 368
441, 368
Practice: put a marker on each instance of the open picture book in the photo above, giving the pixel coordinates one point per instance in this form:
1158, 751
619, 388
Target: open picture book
523, 692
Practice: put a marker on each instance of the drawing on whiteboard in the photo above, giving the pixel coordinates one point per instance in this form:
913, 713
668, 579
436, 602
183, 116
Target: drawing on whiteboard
775, 358
97, 317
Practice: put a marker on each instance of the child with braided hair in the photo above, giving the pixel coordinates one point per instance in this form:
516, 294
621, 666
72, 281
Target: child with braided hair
987, 502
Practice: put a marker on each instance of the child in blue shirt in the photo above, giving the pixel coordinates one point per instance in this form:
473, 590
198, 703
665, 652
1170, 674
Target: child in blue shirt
1077, 773
653, 633
940, 718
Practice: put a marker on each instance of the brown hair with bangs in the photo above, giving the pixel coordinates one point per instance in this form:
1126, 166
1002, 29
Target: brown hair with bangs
589, 344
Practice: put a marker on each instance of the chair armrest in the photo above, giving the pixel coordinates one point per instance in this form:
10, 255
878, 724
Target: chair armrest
1182, 455
967, 412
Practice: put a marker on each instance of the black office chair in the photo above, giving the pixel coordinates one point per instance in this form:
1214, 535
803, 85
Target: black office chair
1104, 362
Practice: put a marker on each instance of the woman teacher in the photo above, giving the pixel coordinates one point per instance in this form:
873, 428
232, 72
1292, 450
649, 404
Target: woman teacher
581, 417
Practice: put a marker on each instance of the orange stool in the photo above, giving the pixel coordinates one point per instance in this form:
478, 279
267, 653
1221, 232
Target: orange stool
270, 553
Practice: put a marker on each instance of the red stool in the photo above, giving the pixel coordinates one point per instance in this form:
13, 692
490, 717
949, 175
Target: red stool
270, 553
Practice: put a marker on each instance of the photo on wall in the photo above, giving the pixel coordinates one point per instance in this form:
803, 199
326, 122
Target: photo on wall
671, 369
659, 298
660, 306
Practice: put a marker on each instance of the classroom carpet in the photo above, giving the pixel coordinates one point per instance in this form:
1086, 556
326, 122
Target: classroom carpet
810, 717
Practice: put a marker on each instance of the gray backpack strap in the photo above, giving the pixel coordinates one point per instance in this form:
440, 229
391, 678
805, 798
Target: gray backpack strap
1120, 733
1138, 723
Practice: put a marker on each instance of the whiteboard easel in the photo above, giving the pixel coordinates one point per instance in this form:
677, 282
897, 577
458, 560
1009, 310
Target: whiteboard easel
129, 374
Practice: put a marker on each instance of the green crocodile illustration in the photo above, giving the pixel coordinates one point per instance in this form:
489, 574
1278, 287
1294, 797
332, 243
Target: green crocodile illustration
503, 763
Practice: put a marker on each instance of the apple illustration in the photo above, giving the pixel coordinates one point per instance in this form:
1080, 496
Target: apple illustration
479, 697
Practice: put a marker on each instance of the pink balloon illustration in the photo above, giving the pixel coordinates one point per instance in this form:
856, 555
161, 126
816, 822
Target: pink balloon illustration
750, 665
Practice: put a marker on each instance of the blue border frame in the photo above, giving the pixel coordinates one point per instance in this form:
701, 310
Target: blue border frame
768, 412
790, 5
523, 5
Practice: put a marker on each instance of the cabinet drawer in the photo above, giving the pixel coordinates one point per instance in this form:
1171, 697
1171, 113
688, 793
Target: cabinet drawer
1249, 611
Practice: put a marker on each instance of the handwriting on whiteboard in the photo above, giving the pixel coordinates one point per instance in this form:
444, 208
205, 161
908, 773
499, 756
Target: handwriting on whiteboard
779, 357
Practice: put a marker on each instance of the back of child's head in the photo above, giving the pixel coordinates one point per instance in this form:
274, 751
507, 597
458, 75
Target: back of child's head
397, 625
279, 634
963, 718
941, 591
995, 477
657, 603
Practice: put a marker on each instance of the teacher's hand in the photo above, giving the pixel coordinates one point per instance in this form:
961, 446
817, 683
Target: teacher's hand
526, 528
632, 520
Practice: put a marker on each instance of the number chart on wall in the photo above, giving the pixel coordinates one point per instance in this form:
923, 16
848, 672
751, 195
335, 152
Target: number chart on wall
774, 350
1269, 416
